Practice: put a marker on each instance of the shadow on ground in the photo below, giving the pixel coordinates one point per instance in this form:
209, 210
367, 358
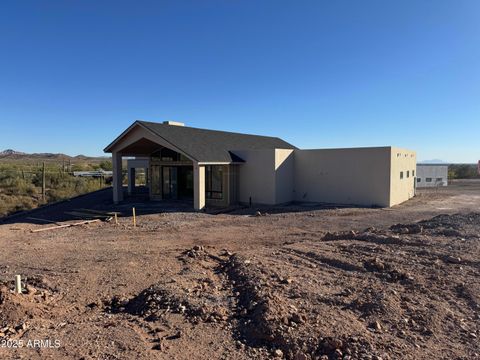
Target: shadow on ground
101, 200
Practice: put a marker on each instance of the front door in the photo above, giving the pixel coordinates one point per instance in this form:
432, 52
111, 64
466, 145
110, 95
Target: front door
169, 182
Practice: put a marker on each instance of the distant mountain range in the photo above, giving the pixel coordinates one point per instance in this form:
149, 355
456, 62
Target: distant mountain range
10, 152
14, 155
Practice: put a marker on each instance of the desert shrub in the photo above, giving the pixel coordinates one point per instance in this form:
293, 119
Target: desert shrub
106, 165
70, 186
13, 203
21, 190
15, 185
82, 167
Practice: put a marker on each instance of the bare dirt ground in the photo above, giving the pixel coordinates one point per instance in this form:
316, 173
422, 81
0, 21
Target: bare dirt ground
297, 282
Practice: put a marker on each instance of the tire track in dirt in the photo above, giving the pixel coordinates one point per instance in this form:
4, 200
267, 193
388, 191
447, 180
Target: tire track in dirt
318, 259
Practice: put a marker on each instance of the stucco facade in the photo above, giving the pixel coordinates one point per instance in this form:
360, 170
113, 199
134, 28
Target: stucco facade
266, 177
402, 175
209, 172
379, 176
346, 176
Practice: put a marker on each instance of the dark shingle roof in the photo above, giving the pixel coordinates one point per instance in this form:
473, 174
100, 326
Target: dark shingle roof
212, 145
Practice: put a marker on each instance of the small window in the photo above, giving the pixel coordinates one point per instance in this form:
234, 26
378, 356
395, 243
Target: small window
439, 179
428, 179
419, 179
408, 173
401, 174
413, 172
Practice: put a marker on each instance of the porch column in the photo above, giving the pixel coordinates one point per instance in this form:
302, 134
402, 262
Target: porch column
117, 177
131, 180
198, 186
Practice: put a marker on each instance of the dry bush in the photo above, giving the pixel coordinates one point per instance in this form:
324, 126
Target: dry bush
18, 193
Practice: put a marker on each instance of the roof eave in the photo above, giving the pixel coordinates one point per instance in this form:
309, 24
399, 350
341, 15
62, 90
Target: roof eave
108, 149
221, 162
117, 139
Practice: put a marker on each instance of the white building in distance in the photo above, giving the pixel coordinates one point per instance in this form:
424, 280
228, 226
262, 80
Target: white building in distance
432, 175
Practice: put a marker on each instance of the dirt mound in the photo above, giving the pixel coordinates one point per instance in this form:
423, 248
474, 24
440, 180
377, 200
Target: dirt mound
455, 221
261, 312
16, 310
457, 225
376, 236
268, 317
407, 228
160, 299
196, 293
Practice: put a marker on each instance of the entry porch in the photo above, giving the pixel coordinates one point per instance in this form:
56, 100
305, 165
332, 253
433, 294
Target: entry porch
171, 174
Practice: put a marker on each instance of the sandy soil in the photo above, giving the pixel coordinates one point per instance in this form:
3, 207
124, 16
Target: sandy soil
296, 282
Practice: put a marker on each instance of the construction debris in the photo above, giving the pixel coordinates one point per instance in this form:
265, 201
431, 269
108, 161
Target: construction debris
65, 225
92, 214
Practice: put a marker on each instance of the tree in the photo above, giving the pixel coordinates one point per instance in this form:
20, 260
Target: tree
462, 171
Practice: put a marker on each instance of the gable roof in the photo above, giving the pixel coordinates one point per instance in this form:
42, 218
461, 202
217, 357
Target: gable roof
204, 145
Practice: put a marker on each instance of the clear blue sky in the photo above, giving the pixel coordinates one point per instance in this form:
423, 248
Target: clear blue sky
74, 74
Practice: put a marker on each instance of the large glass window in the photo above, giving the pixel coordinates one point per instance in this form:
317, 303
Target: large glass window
214, 182
156, 180
166, 154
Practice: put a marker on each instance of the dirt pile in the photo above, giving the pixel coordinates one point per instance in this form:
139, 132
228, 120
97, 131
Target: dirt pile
198, 294
459, 225
350, 295
271, 315
160, 299
17, 310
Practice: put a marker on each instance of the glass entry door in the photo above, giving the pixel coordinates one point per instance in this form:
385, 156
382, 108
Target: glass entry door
169, 182
156, 181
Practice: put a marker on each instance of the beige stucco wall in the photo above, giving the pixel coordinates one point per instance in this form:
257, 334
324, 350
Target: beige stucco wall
358, 176
267, 176
402, 189
284, 175
256, 177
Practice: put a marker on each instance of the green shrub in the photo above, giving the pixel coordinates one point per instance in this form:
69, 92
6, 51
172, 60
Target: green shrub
21, 191
106, 165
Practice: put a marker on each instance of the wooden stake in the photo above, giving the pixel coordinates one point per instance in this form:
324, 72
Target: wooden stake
134, 218
18, 284
116, 219
43, 182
